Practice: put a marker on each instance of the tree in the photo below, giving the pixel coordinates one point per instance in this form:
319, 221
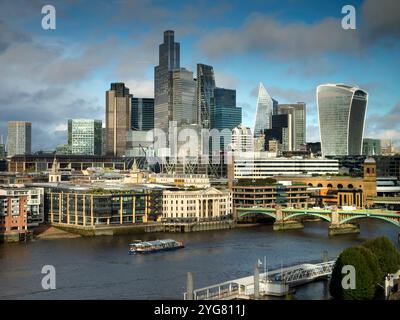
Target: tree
386, 253
367, 273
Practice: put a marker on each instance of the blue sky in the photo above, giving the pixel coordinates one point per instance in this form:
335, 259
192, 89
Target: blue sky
291, 46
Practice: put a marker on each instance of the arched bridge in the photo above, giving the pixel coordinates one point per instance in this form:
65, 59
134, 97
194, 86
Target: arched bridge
336, 217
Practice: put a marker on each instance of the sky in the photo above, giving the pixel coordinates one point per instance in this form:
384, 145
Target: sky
292, 46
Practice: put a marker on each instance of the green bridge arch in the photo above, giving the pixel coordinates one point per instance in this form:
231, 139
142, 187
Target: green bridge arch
243, 212
396, 223
322, 216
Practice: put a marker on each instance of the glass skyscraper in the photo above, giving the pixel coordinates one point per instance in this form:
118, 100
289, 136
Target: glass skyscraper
142, 114
205, 92
225, 114
183, 95
85, 136
264, 110
341, 114
169, 59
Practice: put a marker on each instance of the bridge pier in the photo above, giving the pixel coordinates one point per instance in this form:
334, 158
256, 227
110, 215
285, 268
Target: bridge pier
338, 229
287, 225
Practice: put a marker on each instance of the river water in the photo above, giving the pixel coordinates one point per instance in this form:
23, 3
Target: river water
100, 267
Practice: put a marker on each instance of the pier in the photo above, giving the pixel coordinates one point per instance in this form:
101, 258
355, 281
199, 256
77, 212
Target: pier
278, 283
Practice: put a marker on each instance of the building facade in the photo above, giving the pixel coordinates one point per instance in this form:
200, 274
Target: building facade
341, 114
169, 59
13, 217
371, 147
19, 139
142, 114
242, 139
118, 118
203, 204
205, 92
298, 114
92, 207
264, 111
225, 115
85, 136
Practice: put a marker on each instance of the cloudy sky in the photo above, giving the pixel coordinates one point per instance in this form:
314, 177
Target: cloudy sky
49, 76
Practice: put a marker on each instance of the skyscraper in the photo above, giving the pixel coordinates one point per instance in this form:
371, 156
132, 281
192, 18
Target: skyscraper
371, 147
169, 59
19, 139
281, 130
205, 92
142, 114
85, 136
341, 113
298, 119
263, 111
225, 114
118, 118
183, 97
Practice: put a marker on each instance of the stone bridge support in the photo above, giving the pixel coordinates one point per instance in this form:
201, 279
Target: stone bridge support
337, 228
282, 224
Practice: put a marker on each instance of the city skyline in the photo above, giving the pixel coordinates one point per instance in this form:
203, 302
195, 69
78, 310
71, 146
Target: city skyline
73, 84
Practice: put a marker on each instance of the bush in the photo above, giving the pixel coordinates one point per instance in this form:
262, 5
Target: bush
367, 274
387, 255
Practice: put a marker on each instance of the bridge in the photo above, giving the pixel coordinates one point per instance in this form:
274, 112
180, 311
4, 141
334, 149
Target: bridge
274, 283
340, 220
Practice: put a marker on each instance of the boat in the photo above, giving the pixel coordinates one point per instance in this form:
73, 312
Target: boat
139, 246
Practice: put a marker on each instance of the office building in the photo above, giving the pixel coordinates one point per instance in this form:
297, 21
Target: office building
183, 95
341, 114
268, 193
88, 205
281, 131
371, 147
169, 59
118, 118
264, 109
203, 204
19, 139
205, 92
242, 139
298, 122
142, 114
225, 115
251, 166
85, 136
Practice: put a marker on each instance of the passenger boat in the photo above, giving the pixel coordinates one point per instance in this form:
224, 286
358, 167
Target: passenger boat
154, 246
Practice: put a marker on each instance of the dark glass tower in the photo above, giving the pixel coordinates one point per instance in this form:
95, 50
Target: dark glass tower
169, 59
142, 114
205, 92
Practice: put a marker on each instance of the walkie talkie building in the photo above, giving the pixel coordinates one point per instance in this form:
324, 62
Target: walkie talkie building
341, 114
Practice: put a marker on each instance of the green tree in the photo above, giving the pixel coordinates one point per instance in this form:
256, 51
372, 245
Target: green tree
386, 253
366, 274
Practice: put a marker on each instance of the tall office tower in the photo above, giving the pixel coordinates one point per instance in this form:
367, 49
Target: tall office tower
371, 147
19, 139
118, 118
205, 92
85, 136
142, 114
263, 112
225, 114
183, 97
281, 131
275, 105
242, 139
298, 118
341, 114
169, 59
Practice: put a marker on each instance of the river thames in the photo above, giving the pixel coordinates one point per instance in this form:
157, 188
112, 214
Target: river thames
101, 268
